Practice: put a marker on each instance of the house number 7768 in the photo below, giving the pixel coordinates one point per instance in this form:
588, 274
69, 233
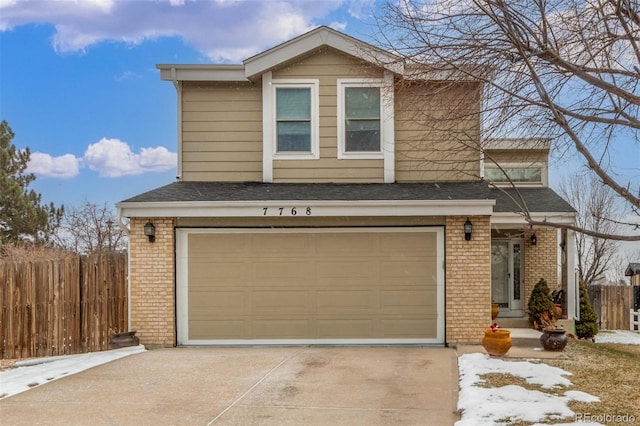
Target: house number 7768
285, 211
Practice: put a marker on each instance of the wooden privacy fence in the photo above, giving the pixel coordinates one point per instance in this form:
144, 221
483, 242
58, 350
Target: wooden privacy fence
612, 304
59, 307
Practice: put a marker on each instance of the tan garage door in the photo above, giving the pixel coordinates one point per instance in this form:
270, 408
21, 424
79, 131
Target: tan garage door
296, 285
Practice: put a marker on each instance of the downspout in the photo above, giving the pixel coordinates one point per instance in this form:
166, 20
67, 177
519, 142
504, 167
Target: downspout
178, 87
127, 231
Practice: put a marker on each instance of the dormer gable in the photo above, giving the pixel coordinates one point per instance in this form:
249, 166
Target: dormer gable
314, 39
252, 68
517, 161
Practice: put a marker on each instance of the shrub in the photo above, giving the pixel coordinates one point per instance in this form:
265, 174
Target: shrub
587, 327
542, 311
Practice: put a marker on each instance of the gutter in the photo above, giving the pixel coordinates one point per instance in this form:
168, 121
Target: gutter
127, 231
177, 84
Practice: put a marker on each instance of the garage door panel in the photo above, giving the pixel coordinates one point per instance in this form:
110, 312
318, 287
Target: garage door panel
205, 304
408, 327
203, 271
347, 301
277, 244
290, 328
403, 271
339, 272
280, 302
201, 246
280, 272
408, 301
358, 244
409, 245
311, 284
216, 329
345, 328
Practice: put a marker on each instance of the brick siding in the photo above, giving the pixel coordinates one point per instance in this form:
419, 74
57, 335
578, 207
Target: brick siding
540, 261
468, 279
151, 280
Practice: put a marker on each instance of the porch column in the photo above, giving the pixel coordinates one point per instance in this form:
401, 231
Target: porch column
573, 293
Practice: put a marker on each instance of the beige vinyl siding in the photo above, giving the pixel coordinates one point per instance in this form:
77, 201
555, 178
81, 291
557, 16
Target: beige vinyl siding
327, 65
437, 130
520, 156
221, 132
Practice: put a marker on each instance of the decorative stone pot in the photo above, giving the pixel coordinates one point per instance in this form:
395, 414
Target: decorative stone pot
554, 340
495, 311
498, 342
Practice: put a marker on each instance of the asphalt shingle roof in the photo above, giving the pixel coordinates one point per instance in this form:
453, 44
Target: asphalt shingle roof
537, 199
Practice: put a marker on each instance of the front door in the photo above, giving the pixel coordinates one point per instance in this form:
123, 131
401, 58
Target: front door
506, 276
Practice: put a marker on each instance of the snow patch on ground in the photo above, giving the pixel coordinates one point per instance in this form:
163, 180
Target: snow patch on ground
36, 372
618, 336
489, 406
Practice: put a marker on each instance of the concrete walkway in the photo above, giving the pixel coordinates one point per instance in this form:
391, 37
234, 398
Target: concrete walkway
251, 386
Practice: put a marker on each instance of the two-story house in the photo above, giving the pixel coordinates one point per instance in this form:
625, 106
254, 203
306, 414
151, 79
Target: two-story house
324, 196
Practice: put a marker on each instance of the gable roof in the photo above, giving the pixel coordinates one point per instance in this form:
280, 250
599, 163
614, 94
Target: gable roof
632, 269
264, 61
321, 36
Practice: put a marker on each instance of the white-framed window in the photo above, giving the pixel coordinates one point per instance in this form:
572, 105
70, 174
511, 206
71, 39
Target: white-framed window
363, 113
294, 119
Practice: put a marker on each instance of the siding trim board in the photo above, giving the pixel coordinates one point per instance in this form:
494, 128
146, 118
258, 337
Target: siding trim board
316, 208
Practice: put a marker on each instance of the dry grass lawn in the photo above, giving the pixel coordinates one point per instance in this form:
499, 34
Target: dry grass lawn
609, 371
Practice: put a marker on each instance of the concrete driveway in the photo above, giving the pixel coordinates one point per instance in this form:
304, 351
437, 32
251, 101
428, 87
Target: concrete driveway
251, 386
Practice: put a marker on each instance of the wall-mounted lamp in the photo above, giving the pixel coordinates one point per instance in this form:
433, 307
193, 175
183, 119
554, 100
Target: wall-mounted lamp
150, 231
468, 227
534, 239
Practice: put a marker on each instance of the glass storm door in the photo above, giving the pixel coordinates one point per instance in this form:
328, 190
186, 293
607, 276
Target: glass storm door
506, 276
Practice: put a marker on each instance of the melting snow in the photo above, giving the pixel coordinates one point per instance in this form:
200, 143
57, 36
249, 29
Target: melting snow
489, 406
618, 336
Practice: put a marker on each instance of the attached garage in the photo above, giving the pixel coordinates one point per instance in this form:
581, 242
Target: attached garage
310, 285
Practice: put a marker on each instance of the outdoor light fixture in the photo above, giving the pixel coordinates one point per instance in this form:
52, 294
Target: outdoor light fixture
534, 239
150, 231
468, 227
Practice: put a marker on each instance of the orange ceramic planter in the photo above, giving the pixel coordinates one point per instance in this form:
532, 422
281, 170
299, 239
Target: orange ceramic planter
496, 343
495, 311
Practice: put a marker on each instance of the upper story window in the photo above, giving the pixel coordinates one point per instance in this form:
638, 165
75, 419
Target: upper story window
361, 113
295, 119
530, 174
362, 119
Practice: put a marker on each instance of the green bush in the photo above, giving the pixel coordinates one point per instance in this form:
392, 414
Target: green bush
587, 327
542, 311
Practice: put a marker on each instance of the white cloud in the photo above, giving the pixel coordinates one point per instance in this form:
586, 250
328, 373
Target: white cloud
108, 157
64, 166
224, 30
114, 158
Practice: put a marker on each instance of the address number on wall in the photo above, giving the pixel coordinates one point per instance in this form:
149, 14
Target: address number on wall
286, 211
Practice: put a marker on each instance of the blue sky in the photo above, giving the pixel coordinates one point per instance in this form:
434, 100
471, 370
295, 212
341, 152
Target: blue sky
79, 86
